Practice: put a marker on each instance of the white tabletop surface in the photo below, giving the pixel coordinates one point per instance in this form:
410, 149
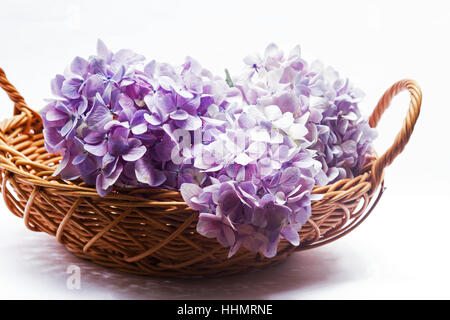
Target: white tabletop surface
400, 251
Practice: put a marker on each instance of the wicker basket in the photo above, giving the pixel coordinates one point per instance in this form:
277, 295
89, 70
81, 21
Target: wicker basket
156, 234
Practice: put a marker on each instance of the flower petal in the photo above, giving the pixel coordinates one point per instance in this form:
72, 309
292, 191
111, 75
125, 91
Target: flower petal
191, 123
98, 150
135, 153
179, 115
79, 66
145, 173
70, 88
139, 128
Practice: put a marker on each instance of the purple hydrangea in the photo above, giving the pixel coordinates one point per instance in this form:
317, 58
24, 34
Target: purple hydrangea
299, 125
259, 181
180, 108
97, 121
319, 99
114, 122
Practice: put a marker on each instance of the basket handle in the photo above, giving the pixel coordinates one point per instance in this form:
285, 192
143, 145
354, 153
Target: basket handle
403, 136
19, 102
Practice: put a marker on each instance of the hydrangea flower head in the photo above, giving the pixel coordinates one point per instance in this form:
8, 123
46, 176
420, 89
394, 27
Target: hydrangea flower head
258, 188
320, 101
114, 119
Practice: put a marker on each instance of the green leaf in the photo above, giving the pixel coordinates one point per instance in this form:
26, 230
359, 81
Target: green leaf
228, 79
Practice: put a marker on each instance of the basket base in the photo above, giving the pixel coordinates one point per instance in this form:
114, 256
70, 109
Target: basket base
242, 262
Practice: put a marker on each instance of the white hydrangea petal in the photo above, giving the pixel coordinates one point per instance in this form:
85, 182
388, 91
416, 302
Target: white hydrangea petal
243, 159
285, 122
297, 131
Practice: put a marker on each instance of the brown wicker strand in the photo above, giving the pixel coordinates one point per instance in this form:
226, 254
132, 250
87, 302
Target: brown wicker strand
174, 234
68, 215
107, 228
16, 97
403, 136
26, 214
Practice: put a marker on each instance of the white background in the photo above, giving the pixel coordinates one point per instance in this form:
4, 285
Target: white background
400, 251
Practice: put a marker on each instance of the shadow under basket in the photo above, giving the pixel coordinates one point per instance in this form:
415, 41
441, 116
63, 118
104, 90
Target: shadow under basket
153, 231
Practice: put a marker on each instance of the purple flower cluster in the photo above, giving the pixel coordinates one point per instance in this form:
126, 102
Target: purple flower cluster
318, 98
114, 124
259, 183
245, 153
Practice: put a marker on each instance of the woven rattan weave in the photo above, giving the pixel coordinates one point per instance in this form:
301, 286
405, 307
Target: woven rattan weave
153, 231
